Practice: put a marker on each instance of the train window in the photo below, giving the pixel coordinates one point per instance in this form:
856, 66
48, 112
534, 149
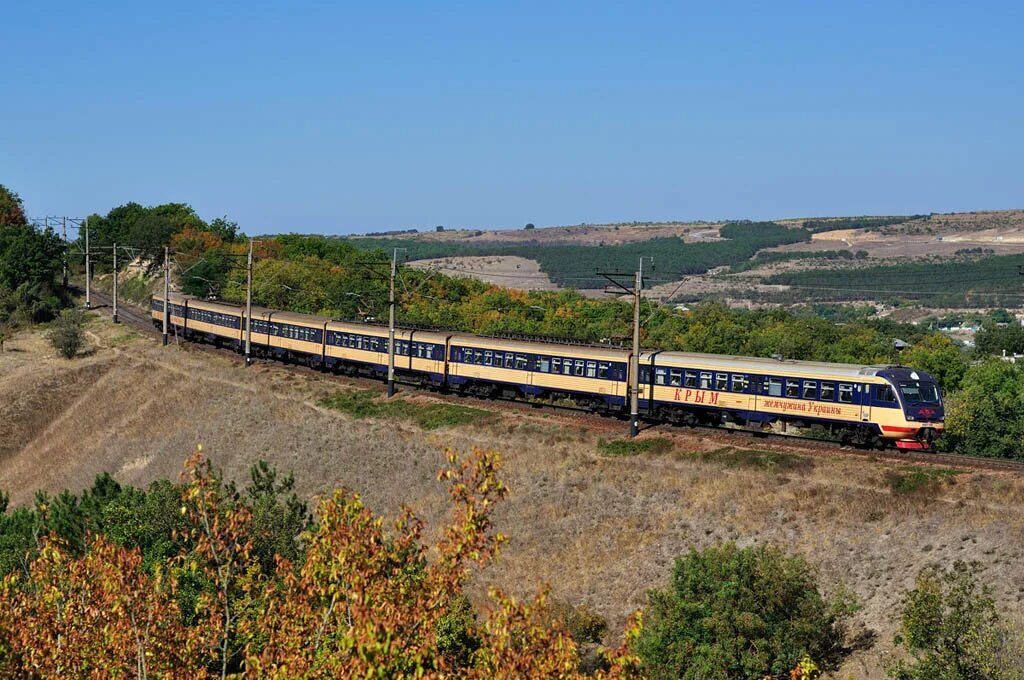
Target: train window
792, 388
740, 382
660, 376
591, 369
845, 393
885, 394
579, 367
810, 389
488, 358
774, 387
675, 377
828, 391
556, 365
721, 381
602, 371
545, 365
509, 359
567, 367
690, 380
705, 381
520, 361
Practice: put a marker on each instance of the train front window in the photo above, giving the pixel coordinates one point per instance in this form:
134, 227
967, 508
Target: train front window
917, 392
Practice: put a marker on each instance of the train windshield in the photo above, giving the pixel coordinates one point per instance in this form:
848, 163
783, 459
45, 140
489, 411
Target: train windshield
917, 392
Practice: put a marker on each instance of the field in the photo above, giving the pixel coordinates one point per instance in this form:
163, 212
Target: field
599, 520
843, 251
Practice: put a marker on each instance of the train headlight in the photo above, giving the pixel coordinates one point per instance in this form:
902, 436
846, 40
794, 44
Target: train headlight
910, 417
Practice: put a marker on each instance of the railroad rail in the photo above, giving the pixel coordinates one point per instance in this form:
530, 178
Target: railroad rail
140, 319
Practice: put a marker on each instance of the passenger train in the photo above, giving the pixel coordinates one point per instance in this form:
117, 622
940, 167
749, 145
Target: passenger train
860, 405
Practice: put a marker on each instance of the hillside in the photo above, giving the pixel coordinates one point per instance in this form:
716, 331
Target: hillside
600, 529
713, 265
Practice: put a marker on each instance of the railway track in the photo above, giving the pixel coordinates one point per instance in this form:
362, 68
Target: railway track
140, 319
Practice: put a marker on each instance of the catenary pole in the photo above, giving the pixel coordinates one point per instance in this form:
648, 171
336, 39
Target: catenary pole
248, 308
115, 284
167, 291
88, 268
64, 259
634, 368
391, 324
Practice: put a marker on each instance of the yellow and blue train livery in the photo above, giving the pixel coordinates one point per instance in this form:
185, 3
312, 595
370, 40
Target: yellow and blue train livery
356, 347
864, 405
290, 335
593, 376
177, 306
215, 322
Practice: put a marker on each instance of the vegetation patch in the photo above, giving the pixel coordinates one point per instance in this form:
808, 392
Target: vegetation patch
759, 460
429, 416
920, 480
634, 447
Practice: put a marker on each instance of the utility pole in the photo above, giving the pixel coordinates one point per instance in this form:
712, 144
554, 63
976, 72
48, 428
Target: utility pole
115, 283
634, 369
64, 259
88, 268
167, 291
391, 324
634, 362
248, 308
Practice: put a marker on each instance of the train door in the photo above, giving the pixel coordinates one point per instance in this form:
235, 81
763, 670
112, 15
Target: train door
865, 403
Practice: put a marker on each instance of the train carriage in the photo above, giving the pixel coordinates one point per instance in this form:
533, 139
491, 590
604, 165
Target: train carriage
419, 355
864, 404
177, 306
492, 366
215, 322
294, 336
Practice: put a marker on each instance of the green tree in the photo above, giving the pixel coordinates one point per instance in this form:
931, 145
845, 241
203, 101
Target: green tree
994, 340
939, 356
12, 212
985, 418
67, 335
738, 613
950, 629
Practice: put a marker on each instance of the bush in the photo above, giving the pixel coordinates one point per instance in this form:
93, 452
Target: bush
951, 629
738, 613
67, 336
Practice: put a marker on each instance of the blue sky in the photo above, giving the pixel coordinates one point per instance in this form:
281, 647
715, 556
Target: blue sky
342, 117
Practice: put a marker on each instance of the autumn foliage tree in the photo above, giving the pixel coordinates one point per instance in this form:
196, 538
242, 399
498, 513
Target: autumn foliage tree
365, 599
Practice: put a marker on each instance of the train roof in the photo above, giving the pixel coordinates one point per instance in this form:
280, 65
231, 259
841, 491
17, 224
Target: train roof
761, 365
310, 320
540, 347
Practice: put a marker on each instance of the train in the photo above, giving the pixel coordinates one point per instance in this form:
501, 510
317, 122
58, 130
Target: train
861, 405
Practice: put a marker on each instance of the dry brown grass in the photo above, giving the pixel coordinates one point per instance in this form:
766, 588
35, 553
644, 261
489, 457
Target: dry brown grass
602, 530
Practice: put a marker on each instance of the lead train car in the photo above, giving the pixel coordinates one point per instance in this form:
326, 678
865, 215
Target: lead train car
863, 405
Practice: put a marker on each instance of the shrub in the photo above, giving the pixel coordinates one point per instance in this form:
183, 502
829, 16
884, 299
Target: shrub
633, 447
67, 336
950, 628
738, 613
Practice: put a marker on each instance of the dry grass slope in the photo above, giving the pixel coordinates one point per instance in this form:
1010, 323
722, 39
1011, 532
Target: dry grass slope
602, 529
